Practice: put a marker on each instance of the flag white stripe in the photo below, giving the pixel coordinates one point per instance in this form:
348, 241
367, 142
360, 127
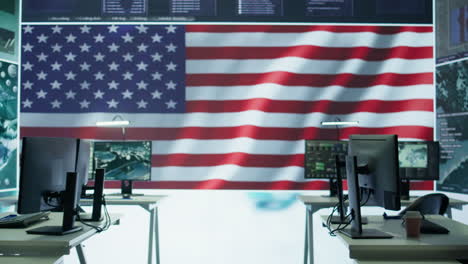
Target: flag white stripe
228, 173
304, 93
255, 118
317, 38
307, 66
243, 145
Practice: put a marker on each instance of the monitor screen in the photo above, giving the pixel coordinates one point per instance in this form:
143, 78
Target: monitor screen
412, 155
123, 160
44, 165
320, 158
418, 160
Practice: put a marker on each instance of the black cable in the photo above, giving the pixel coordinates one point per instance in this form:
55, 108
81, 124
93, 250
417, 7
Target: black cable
107, 219
340, 227
368, 196
329, 219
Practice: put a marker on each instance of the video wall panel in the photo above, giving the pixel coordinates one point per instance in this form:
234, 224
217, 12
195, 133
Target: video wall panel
451, 30
9, 30
452, 126
337, 11
8, 127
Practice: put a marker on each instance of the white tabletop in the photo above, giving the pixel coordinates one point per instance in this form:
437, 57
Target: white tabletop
16, 240
118, 200
328, 201
32, 260
428, 246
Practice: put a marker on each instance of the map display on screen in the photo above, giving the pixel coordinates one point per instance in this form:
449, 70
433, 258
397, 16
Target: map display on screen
452, 126
123, 160
412, 155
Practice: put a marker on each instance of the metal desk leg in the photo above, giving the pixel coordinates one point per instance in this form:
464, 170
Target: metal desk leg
449, 212
306, 241
156, 234
310, 234
80, 252
153, 239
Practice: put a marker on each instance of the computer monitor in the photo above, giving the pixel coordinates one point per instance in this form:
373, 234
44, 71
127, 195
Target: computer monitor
418, 160
44, 163
126, 161
49, 180
372, 169
320, 160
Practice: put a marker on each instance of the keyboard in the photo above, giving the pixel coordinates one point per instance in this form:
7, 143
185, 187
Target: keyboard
23, 220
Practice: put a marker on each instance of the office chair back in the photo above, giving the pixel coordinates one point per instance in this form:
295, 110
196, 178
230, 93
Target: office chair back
434, 203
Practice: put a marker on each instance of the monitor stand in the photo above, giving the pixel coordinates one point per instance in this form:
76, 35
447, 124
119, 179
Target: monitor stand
97, 198
338, 187
126, 189
356, 231
69, 211
333, 187
404, 189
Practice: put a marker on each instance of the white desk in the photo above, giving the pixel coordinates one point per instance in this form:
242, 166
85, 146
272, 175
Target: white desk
314, 203
147, 202
30, 260
428, 247
17, 245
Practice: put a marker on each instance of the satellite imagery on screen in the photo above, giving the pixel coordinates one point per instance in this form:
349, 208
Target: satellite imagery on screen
412, 156
451, 30
130, 160
8, 125
452, 126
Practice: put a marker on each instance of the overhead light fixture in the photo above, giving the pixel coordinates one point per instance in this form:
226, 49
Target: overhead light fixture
117, 121
339, 123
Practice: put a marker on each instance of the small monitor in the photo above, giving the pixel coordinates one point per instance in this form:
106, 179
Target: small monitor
44, 165
123, 160
320, 158
419, 160
320, 161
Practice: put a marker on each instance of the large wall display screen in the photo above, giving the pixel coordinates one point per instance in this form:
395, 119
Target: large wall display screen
8, 127
8, 29
452, 126
451, 30
339, 11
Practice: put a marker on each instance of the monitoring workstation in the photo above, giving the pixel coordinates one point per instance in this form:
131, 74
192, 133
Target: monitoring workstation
234, 131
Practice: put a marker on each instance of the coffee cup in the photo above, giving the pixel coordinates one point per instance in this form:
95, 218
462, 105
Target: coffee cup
413, 223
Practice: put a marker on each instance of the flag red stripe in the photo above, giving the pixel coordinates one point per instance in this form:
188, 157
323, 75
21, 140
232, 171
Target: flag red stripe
302, 29
303, 107
227, 185
237, 158
222, 184
312, 80
309, 52
247, 131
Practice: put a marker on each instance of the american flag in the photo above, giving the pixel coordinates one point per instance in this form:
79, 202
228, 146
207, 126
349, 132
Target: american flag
227, 106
